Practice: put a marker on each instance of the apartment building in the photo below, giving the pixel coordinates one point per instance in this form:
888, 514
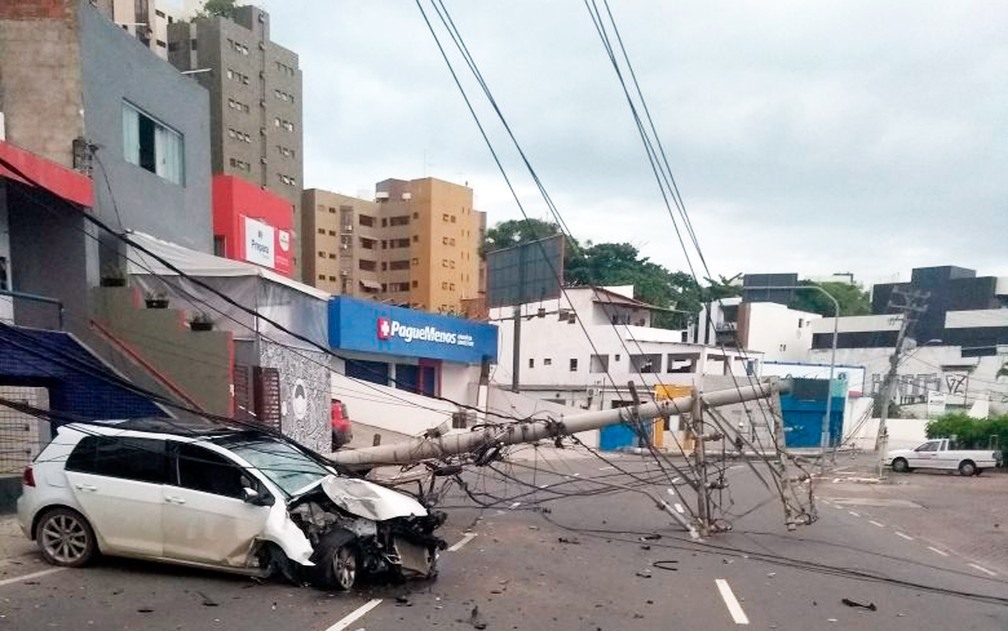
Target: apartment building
255, 102
417, 244
145, 20
339, 243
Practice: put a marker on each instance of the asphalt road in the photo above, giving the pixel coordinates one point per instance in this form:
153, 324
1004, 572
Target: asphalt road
557, 562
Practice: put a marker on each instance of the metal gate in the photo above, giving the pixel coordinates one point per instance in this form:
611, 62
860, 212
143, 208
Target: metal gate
22, 435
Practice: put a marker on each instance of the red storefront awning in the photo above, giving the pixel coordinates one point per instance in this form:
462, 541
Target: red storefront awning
59, 180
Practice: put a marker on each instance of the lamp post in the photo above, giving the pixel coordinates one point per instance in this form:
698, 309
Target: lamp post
824, 439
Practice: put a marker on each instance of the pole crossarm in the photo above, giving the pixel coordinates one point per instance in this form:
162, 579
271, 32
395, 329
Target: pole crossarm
513, 433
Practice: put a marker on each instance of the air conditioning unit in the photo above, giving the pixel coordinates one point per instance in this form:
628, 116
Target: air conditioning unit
348, 228
344, 273
344, 246
381, 195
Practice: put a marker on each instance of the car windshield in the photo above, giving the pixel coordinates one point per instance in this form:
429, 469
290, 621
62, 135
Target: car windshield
285, 465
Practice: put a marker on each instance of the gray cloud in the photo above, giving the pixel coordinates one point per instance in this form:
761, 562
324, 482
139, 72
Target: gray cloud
813, 137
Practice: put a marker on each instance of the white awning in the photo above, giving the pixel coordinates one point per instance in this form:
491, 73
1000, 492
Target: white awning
370, 284
201, 264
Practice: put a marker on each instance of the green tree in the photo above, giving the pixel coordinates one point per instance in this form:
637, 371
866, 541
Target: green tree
223, 8
514, 232
852, 299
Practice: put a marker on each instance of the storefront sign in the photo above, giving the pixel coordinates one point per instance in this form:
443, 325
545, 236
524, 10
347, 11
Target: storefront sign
370, 327
259, 242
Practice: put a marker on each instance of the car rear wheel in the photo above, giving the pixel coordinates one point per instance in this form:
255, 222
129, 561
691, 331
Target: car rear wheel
65, 538
899, 465
967, 468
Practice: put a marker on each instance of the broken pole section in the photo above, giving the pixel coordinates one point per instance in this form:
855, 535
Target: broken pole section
517, 432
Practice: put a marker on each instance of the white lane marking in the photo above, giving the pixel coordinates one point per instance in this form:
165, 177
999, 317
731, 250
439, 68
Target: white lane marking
607, 469
853, 513
28, 577
355, 615
982, 569
937, 551
469, 536
738, 466
875, 523
728, 596
907, 537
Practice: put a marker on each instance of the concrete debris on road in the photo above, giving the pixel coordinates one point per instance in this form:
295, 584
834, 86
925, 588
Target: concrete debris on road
857, 605
571, 540
476, 619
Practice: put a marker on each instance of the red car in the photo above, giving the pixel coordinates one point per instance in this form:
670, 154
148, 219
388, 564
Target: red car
341, 431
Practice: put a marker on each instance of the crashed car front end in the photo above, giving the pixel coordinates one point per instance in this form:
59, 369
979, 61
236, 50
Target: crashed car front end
358, 527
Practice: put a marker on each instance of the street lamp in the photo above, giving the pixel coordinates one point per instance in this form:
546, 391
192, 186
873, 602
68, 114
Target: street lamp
824, 440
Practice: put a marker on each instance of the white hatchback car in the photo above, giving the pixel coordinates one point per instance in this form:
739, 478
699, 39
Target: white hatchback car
219, 497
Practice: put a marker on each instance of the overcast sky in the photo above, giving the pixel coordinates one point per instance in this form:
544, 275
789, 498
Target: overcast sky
814, 137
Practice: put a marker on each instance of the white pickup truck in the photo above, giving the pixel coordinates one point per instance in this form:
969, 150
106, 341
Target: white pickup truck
935, 454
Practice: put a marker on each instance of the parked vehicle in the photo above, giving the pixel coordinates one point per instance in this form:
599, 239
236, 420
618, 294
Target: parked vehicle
342, 432
937, 454
226, 498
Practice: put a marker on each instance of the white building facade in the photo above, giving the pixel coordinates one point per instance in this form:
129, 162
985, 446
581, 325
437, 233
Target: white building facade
583, 348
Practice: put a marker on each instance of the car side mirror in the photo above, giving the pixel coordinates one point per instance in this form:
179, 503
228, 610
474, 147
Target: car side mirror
255, 498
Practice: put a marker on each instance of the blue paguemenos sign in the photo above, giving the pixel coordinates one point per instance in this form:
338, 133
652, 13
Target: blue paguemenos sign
372, 327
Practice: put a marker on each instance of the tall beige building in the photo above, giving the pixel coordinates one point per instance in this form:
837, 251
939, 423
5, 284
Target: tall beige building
417, 244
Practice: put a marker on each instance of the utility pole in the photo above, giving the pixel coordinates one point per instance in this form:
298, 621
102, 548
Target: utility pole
913, 304
700, 460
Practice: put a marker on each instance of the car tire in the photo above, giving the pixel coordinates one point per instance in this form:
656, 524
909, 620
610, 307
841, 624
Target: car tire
65, 538
337, 561
967, 468
900, 465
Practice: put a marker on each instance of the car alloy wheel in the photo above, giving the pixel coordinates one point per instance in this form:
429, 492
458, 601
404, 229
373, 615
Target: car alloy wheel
66, 539
344, 566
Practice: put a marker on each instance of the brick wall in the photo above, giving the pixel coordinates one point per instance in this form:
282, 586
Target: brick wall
40, 76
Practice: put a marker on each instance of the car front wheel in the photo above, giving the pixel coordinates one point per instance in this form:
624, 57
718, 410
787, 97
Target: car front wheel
899, 465
65, 538
336, 561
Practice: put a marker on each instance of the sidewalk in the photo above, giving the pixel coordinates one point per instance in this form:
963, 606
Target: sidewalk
13, 543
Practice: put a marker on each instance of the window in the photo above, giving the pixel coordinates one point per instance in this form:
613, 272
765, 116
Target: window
367, 266
444, 217
929, 446
415, 284
453, 218
384, 266
598, 363
152, 146
531, 362
321, 254
241, 165
401, 220
321, 276
365, 220
286, 179
444, 284
399, 265
332, 256
367, 244
547, 362
416, 215
200, 469
573, 365
416, 238
402, 243
138, 459
384, 222
321, 230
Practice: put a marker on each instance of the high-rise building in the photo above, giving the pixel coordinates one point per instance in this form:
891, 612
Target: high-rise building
145, 20
339, 244
417, 244
255, 102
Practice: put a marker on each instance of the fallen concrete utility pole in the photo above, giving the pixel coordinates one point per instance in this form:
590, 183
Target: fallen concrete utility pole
513, 433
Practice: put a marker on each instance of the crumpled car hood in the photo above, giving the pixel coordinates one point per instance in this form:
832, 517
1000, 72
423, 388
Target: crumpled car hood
370, 500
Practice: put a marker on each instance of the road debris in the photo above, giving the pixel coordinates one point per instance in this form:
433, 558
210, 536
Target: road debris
207, 601
668, 564
644, 574
857, 605
476, 619
569, 540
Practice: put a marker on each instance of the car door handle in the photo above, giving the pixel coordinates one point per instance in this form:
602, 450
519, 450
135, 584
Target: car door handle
86, 487
174, 500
